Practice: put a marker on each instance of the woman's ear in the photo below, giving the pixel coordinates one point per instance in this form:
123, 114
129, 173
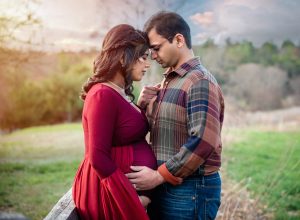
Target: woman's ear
122, 61
179, 40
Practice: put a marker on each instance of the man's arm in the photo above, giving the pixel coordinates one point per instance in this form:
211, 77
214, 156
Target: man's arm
204, 125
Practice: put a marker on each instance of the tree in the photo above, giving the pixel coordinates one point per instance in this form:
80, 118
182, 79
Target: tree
267, 53
287, 44
258, 88
238, 53
10, 24
289, 58
11, 57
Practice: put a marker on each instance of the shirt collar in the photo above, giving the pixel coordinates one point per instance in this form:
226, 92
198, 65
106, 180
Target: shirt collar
185, 67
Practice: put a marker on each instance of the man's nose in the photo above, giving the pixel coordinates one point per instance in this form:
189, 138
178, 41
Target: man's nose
153, 55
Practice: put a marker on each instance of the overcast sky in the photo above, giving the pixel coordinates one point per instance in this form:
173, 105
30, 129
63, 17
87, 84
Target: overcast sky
81, 24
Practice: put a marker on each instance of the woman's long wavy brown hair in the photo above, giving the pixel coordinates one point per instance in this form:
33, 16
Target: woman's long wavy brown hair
122, 42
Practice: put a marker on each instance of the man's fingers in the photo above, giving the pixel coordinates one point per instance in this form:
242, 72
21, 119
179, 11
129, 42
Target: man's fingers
154, 88
149, 96
137, 168
134, 181
131, 175
149, 93
151, 89
157, 85
136, 173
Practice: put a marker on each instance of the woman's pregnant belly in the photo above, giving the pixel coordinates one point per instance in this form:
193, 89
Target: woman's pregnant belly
143, 155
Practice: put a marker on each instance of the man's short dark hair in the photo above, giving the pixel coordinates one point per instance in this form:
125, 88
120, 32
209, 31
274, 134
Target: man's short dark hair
168, 24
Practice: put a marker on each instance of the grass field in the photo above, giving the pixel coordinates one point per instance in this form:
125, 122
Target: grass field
269, 164
37, 166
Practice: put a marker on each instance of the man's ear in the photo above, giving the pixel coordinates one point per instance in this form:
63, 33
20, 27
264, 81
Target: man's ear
179, 40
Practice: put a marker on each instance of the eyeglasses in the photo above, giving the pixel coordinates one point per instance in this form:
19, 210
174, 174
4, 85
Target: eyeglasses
155, 49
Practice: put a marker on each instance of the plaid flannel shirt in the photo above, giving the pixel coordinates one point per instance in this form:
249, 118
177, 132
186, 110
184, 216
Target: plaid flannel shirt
186, 122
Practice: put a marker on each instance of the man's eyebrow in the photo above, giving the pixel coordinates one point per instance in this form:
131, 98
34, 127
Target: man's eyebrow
153, 45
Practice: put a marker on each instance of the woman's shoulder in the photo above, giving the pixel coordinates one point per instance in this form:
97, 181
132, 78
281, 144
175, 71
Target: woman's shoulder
101, 89
102, 94
101, 97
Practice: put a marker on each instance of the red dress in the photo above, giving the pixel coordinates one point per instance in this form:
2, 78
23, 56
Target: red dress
114, 135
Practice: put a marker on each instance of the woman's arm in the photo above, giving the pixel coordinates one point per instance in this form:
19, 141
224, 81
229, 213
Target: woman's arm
101, 115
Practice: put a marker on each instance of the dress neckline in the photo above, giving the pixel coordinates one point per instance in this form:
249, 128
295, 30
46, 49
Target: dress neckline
136, 108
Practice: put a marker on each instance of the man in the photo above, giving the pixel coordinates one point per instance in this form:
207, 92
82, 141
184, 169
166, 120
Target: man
186, 119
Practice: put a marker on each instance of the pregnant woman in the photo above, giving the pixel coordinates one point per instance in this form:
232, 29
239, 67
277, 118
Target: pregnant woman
114, 131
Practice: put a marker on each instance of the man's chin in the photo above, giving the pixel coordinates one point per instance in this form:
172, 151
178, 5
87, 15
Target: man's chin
163, 65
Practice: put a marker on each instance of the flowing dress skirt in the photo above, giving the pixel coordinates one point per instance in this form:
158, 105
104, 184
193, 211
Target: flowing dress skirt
109, 198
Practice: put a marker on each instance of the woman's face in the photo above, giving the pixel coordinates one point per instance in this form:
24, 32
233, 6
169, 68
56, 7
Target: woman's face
140, 67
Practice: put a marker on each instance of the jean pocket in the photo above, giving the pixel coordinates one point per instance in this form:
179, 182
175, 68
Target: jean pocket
211, 208
174, 204
184, 191
213, 183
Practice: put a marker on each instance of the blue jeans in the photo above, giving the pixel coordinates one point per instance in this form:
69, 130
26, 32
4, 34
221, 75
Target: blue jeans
198, 197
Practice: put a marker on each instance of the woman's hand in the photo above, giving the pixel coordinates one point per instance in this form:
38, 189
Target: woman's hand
144, 200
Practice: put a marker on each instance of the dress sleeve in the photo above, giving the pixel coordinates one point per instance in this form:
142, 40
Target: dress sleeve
101, 115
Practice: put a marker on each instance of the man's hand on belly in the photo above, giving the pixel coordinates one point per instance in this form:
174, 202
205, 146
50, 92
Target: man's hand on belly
144, 178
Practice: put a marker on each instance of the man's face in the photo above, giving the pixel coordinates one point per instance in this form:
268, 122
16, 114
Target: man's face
164, 52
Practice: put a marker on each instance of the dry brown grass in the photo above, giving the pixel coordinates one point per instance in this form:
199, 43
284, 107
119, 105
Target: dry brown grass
236, 200
237, 204
276, 120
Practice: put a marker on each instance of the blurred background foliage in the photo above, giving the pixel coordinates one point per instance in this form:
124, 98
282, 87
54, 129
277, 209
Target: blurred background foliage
39, 87
43, 96
45, 89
